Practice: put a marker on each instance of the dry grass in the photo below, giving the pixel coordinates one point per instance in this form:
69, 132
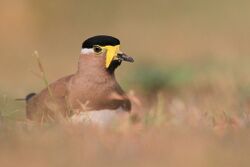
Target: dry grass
173, 131
78, 146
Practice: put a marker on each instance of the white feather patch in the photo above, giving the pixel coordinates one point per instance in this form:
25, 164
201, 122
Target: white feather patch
87, 51
97, 117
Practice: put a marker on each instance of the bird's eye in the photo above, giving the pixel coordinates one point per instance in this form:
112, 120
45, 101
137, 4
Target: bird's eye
97, 49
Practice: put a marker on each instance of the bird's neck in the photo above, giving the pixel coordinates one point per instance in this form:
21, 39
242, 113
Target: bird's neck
93, 67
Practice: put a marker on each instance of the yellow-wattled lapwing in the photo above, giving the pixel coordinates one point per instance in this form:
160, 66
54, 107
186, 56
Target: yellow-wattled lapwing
92, 94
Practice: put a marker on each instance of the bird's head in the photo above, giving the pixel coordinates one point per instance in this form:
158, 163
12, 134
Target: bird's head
107, 48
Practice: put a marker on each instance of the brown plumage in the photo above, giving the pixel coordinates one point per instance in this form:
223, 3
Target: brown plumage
92, 87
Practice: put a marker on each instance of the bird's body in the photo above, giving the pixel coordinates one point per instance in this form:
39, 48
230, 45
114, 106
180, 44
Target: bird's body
91, 92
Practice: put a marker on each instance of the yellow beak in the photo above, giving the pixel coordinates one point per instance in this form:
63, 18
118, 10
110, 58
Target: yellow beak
111, 53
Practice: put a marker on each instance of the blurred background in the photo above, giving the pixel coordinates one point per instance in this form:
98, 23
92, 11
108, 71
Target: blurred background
174, 42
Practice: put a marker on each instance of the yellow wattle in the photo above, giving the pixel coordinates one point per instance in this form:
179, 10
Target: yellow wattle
111, 53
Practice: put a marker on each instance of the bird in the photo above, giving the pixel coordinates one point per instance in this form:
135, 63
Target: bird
92, 94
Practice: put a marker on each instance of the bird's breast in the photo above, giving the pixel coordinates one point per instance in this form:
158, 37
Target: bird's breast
100, 118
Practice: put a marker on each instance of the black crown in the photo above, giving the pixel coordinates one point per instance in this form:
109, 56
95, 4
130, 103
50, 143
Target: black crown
101, 40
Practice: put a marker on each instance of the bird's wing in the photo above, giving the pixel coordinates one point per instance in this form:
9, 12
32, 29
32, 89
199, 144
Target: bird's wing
50, 102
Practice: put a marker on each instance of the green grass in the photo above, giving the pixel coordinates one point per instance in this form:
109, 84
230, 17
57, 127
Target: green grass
10, 109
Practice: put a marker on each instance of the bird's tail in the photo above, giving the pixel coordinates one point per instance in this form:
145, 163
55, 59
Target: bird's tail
27, 98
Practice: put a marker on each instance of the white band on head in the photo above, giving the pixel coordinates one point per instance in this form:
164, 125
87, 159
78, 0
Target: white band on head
87, 51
